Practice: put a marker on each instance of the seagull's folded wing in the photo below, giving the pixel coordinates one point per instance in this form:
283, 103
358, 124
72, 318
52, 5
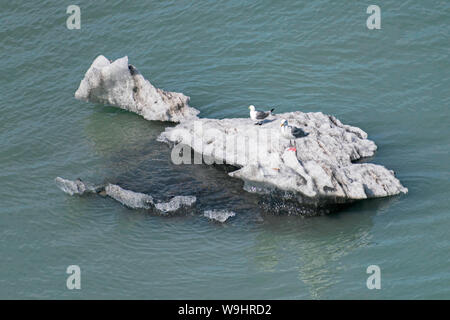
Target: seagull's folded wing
298, 133
261, 114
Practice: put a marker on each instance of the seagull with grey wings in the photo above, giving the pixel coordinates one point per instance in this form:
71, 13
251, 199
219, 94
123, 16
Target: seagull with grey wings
258, 116
290, 132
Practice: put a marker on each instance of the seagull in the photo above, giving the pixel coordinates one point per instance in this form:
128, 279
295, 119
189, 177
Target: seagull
258, 115
290, 132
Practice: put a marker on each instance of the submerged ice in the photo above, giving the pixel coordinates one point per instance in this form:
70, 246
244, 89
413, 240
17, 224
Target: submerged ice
130, 199
175, 203
73, 187
218, 215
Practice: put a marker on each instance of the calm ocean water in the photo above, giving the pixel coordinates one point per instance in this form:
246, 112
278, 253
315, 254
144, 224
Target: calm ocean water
295, 55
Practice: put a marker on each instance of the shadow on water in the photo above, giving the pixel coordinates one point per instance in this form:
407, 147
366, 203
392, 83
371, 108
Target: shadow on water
316, 246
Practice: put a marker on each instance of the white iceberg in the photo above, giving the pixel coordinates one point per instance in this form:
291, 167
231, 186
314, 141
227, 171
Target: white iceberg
318, 168
120, 84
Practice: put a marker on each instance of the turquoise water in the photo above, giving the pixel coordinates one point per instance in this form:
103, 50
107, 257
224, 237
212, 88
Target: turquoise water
295, 55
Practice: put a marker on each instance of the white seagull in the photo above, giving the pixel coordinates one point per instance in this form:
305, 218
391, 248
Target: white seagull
290, 132
258, 115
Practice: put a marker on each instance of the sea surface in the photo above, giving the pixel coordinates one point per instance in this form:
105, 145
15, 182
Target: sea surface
292, 55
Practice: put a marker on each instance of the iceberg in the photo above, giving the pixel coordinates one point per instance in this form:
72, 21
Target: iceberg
130, 199
74, 187
319, 168
120, 84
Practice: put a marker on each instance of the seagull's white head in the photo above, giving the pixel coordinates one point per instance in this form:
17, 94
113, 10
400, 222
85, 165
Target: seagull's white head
284, 122
252, 108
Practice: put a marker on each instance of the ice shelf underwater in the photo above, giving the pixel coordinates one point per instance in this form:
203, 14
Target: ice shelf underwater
319, 168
